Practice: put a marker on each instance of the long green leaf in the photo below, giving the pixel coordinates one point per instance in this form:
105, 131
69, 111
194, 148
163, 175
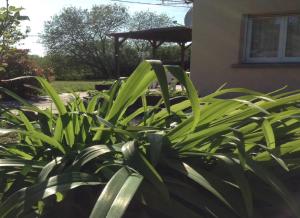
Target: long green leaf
117, 194
135, 159
66, 119
192, 93
136, 85
91, 153
25, 198
191, 173
237, 172
269, 134
21, 163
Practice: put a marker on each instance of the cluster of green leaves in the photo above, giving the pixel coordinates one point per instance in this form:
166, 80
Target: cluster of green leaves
10, 32
202, 157
10, 19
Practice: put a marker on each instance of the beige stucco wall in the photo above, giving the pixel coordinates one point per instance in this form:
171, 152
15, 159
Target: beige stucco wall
216, 46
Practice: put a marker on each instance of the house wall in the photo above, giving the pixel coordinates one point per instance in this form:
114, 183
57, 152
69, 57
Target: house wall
217, 27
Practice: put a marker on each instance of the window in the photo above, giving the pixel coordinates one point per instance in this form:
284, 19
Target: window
272, 39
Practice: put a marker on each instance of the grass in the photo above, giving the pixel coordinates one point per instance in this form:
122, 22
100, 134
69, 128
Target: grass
77, 86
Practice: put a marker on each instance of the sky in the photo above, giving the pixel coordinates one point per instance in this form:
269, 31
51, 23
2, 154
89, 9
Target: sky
40, 11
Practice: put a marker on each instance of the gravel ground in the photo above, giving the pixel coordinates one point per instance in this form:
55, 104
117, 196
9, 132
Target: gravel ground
45, 102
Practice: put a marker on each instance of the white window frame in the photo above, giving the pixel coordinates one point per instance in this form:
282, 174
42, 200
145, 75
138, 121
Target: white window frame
281, 58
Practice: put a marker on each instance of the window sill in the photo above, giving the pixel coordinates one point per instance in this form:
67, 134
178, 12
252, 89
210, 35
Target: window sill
266, 65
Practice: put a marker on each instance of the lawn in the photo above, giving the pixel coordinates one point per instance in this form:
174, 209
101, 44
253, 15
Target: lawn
77, 86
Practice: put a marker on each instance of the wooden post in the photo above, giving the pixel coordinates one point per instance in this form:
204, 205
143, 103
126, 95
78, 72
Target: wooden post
118, 44
154, 47
117, 65
182, 54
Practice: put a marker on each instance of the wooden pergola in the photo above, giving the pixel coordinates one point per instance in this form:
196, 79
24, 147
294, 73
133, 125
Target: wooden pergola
179, 34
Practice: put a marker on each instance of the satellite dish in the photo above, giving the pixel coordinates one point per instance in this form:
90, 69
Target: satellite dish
188, 19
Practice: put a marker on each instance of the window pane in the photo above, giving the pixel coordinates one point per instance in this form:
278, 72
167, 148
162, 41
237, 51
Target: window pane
265, 37
293, 37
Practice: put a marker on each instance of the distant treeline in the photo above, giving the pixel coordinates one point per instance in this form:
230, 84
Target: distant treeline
67, 68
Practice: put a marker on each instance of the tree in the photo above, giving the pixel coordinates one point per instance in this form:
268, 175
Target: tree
78, 37
83, 35
147, 20
144, 20
10, 32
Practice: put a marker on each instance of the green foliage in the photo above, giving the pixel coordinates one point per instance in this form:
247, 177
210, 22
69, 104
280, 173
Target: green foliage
19, 63
143, 20
10, 32
81, 36
79, 47
68, 68
202, 157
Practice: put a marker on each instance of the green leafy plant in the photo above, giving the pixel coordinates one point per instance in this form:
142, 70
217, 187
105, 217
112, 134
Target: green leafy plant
202, 157
10, 31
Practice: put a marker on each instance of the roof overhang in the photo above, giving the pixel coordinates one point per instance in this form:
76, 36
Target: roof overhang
178, 34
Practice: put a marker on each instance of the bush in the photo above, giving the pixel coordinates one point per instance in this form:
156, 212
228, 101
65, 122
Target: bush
18, 64
206, 157
68, 68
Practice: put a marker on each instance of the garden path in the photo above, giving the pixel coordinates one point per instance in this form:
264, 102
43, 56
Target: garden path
44, 102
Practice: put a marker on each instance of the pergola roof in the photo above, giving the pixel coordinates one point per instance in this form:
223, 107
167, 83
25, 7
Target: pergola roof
177, 34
